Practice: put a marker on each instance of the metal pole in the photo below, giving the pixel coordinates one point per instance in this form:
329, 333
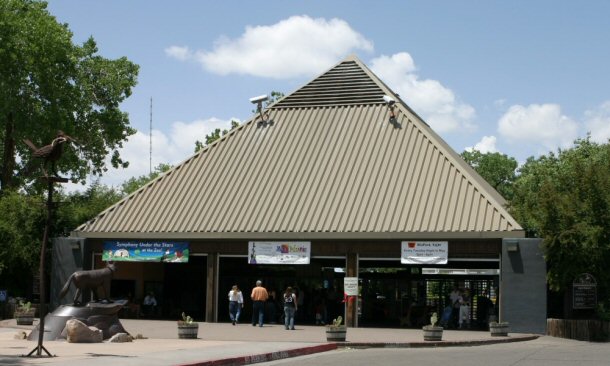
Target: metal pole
45, 237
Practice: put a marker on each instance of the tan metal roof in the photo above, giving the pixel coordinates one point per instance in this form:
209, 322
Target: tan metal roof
328, 165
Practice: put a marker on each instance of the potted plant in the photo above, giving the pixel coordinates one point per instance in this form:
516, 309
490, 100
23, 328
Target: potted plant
187, 328
336, 332
433, 332
24, 313
499, 329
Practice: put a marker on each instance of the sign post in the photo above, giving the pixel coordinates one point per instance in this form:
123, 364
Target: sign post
584, 292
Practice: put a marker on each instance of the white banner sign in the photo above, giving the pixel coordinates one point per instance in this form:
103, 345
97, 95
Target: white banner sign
424, 252
350, 286
279, 252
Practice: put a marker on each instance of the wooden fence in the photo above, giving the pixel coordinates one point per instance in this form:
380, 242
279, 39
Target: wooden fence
579, 329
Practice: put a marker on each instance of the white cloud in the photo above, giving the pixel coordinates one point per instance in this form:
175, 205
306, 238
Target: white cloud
597, 122
541, 124
181, 53
173, 148
428, 98
297, 46
486, 145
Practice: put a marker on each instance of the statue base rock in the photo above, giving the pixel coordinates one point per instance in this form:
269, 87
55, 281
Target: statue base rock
103, 316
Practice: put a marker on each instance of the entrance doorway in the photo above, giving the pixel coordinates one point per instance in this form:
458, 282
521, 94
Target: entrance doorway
319, 288
183, 289
394, 295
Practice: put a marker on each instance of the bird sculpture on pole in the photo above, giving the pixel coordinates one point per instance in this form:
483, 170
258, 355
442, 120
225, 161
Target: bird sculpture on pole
49, 153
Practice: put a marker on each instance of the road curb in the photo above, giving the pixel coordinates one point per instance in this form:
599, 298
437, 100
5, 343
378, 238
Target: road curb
434, 344
265, 357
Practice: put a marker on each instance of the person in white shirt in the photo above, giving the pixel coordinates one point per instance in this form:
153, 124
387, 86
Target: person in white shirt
150, 304
236, 303
464, 301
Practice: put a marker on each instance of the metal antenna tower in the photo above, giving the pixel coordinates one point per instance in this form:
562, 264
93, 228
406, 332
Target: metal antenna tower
150, 141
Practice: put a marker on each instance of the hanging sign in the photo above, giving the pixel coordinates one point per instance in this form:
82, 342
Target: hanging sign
424, 252
584, 292
279, 252
146, 251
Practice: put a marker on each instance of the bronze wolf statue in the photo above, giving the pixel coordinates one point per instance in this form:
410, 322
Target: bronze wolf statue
90, 280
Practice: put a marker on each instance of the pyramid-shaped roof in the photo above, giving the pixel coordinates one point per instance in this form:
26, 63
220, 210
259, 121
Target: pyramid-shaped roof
329, 164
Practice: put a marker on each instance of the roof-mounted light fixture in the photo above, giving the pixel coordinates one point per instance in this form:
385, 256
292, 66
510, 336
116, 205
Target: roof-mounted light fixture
259, 108
390, 102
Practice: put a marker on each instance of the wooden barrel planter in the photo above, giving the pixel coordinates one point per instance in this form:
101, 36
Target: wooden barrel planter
498, 329
433, 333
336, 334
24, 319
188, 331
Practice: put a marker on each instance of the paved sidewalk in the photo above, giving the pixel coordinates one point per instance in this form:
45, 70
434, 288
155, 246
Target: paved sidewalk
221, 344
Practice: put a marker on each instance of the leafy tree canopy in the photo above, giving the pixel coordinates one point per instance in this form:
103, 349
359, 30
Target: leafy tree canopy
218, 133
497, 169
21, 223
214, 135
47, 84
564, 198
133, 184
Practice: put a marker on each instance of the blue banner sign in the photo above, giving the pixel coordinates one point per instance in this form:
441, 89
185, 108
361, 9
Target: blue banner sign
146, 251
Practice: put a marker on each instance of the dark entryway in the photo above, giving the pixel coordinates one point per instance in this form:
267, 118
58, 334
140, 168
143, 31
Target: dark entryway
392, 295
319, 287
183, 289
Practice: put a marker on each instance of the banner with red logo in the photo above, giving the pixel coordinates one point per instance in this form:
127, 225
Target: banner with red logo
279, 252
424, 252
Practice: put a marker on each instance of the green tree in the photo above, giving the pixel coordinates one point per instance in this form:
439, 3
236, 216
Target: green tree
218, 133
214, 135
21, 224
47, 84
564, 198
133, 184
78, 207
497, 169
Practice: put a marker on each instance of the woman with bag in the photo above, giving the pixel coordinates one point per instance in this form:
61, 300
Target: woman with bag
290, 308
236, 303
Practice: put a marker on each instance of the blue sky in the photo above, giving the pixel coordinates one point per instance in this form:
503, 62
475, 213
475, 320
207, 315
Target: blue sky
519, 77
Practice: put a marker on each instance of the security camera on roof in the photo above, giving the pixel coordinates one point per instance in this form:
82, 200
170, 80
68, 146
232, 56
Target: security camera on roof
389, 100
259, 99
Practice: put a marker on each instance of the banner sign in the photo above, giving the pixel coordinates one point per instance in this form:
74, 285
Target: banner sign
279, 252
146, 251
424, 252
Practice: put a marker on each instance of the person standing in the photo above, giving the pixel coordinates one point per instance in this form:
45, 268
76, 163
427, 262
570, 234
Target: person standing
149, 306
464, 309
259, 295
290, 308
454, 299
236, 303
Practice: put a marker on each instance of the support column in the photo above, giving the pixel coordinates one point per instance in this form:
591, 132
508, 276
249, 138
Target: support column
351, 313
211, 288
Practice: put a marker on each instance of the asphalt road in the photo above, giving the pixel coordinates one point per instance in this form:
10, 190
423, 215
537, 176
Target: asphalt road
543, 351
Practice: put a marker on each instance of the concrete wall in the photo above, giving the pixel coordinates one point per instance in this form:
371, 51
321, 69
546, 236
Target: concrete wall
67, 258
523, 286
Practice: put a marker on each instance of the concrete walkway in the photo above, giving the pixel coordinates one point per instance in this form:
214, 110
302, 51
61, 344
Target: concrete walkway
221, 344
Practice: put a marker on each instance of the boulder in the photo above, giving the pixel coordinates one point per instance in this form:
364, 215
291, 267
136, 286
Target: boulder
121, 338
79, 332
